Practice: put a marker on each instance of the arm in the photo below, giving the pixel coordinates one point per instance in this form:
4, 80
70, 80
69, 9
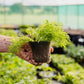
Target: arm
4, 43
26, 55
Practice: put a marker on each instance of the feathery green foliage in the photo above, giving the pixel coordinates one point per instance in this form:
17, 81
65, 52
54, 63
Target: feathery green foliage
17, 43
49, 32
45, 32
53, 32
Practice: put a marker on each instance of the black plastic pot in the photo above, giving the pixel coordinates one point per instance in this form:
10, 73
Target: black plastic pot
41, 51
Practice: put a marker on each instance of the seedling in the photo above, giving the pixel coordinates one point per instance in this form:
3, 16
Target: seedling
40, 39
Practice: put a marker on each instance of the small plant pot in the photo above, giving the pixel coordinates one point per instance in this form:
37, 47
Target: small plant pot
40, 51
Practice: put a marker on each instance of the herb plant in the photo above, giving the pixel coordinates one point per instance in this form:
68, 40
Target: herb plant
45, 32
49, 32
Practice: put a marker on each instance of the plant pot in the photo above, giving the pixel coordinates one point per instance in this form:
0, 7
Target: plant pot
40, 51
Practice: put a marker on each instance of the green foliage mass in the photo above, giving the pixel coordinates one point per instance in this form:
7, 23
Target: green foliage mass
17, 43
45, 32
8, 32
79, 52
24, 27
62, 59
73, 72
14, 70
27, 26
49, 32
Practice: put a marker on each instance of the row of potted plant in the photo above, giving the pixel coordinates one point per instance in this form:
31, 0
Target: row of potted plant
73, 73
8, 32
76, 52
14, 70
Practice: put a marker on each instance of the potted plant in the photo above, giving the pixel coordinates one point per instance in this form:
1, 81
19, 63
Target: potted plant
39, 39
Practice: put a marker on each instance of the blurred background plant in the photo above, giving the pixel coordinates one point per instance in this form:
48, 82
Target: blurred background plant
8, 32
76, 52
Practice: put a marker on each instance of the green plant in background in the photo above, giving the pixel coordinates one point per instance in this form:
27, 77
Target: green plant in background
62, 59
72, 78
14, 70
8, 32
73, 72
45, 32
24, 27
27, 26
76, 52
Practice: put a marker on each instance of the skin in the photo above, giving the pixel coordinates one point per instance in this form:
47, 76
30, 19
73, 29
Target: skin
22, 54
4, 47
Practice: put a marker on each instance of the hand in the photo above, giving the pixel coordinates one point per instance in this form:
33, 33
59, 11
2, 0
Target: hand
51, 49
26, 54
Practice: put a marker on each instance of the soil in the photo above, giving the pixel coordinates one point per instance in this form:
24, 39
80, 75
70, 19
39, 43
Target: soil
26, 52
41, 51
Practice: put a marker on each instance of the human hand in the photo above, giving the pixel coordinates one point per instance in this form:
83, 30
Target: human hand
26, 54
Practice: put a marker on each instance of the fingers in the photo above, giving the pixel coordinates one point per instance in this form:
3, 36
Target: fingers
34, 63
52, 49
48, 62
